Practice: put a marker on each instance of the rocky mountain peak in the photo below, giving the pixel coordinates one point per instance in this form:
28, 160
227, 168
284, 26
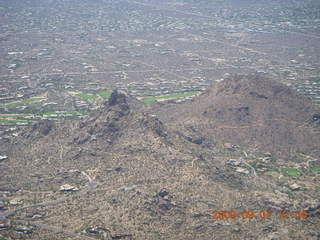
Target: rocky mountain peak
115, 107
117, 98
117, 103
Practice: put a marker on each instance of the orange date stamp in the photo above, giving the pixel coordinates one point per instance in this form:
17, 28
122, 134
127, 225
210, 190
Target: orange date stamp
260, 214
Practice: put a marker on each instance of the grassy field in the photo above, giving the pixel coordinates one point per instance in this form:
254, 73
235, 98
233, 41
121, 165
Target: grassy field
26, 118
87, 96
291, 172
16, 116
60, 113
91, 96
12, 121
16, 119
104, 94
22, 102
148, 100
316, 169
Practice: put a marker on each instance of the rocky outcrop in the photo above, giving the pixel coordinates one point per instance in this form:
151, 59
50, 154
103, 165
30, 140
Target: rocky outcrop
43, 127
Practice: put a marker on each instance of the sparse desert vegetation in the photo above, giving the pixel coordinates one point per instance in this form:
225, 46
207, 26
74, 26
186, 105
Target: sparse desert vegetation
144, 119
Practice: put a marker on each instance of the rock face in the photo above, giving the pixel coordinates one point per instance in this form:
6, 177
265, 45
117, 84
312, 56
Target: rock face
43, 127
117, 98
252, 112
119, 102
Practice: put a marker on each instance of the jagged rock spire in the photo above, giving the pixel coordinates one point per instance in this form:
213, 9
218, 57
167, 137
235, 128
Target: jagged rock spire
117, 98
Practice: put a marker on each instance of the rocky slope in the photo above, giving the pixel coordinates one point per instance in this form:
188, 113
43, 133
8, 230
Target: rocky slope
252, 112
123, 174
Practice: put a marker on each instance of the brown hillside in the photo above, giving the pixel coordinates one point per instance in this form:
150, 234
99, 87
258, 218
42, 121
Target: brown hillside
252, 112
125, 175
